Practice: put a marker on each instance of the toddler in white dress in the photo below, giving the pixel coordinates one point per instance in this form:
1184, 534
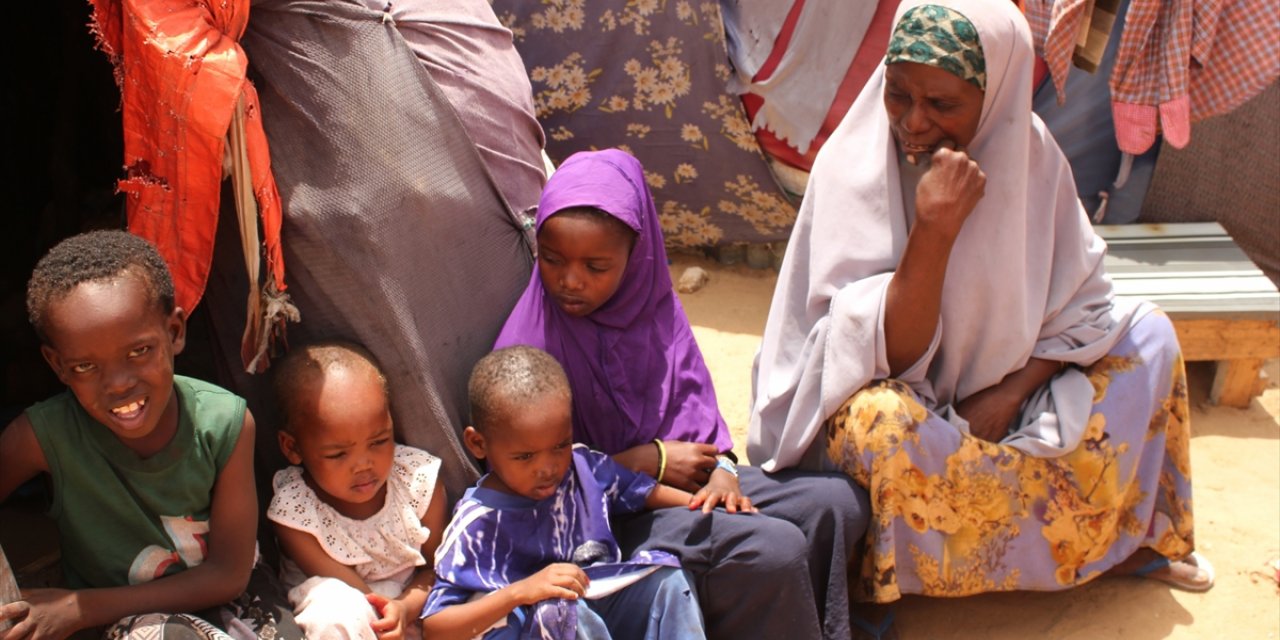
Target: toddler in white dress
358, 516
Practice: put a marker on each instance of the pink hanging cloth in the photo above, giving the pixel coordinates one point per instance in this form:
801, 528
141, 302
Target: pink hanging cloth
1179, 61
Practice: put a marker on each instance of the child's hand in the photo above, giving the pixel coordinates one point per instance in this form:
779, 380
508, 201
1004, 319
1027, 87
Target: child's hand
42, 614
559, 580
390, 623
722, 488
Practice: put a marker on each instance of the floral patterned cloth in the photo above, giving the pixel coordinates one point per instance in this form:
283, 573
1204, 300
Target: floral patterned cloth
650, 77
954, 515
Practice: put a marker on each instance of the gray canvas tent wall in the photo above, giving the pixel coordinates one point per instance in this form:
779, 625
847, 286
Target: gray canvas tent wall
394, 234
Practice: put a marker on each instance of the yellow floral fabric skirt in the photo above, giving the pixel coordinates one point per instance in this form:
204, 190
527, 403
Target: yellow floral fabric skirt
954, 515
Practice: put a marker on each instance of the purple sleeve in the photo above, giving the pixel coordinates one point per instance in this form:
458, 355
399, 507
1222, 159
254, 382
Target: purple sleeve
694, 404
443, 594
466, 562
625, 489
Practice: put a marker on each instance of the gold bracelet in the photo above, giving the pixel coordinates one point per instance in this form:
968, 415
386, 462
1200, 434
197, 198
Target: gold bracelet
662, 458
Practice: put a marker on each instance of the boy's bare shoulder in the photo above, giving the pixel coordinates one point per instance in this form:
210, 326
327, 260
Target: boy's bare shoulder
19, 436
21, 457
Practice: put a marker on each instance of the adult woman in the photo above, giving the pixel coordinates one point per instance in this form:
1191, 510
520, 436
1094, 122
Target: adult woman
1034, 433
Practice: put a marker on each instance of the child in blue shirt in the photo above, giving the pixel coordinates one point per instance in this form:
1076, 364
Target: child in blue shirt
529, 552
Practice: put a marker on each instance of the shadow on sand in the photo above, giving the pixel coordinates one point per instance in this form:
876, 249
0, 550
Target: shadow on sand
1130, 608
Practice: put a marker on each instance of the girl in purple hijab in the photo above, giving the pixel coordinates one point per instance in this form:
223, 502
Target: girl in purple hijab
635, 369
601, 302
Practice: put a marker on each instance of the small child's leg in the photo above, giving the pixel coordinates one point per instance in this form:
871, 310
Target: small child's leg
590, 625
557, 618
510, 631
262, 611
669, 604
330, 608
526, 622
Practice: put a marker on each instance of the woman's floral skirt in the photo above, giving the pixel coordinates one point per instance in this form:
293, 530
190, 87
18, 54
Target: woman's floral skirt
954, 515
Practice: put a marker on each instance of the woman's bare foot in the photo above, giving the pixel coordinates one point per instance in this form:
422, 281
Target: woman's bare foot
1192, 573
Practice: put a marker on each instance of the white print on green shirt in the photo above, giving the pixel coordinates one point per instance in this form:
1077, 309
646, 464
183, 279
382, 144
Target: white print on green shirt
188, 537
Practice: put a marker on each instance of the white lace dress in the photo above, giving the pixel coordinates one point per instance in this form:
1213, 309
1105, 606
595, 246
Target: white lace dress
384, 548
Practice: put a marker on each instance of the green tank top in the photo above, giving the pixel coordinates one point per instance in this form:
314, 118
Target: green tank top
123, 519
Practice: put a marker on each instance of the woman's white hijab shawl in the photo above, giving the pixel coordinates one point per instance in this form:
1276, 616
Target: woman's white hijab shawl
1025, 276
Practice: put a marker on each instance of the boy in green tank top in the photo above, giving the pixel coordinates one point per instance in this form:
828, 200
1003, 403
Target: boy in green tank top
152, 473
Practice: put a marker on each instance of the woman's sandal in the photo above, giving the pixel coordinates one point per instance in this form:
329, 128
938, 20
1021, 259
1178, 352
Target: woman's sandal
882, 630
1195, 559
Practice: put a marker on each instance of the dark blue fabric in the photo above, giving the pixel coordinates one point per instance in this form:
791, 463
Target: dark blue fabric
1087, 135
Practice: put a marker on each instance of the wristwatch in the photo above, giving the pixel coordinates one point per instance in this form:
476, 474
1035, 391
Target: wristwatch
723, 462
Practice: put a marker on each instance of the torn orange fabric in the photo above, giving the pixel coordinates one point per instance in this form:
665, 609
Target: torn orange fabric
181, 71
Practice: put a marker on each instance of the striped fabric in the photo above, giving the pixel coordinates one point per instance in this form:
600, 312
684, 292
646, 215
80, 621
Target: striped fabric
1180, 61
1054, 26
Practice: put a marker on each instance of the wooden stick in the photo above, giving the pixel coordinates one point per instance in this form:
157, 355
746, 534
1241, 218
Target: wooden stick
8, 587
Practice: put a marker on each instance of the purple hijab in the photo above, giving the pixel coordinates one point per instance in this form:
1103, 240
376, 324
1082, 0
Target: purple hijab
633, 365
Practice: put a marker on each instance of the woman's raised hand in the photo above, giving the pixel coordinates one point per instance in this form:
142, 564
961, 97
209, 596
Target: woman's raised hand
949, 190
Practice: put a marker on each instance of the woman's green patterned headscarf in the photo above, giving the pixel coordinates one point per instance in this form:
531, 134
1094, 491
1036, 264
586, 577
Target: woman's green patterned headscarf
939, 37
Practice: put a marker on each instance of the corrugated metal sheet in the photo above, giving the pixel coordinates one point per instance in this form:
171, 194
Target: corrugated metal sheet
1188, 269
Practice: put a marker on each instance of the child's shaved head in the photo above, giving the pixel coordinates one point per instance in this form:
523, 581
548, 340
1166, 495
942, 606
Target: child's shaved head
511, 377
298, 374
94, 257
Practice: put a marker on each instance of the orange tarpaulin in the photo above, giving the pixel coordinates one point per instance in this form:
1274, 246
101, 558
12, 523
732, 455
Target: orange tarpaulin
181, 73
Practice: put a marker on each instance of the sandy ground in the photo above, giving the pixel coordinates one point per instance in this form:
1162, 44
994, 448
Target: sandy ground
1236, 469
